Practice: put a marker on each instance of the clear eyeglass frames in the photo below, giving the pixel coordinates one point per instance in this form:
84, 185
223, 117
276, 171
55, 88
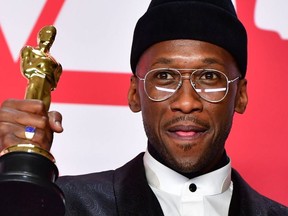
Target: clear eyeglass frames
210, 84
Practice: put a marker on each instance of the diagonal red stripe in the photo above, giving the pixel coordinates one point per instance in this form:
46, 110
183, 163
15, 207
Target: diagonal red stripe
10, 78
82, 87
48, 15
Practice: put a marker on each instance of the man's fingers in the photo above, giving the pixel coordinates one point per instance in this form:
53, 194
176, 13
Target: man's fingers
18, 115
11, 134
34, 106
55, 121
29, 112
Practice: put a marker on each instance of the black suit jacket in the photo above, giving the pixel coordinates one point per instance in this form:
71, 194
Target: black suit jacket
126, 192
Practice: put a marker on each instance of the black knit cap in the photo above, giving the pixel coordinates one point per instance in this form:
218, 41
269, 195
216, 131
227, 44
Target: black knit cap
213, 21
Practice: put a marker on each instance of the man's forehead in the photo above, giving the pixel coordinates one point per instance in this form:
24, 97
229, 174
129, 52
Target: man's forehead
190, 54
169, 52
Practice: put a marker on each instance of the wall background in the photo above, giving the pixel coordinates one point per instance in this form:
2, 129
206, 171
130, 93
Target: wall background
93, 46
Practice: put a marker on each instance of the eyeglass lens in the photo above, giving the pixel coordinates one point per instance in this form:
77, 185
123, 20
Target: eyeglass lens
209, 84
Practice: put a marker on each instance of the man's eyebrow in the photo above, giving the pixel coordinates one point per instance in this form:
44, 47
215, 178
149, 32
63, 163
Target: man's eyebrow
211, 61
206, 61
162, 60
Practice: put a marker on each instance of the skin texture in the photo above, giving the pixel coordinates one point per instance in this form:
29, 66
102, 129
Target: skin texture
15, 115
187, 132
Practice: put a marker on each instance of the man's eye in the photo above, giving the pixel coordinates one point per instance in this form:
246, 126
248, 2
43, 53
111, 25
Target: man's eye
165, 75
209, 75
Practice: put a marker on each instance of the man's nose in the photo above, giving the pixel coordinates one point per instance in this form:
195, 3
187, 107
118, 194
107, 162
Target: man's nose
186, 100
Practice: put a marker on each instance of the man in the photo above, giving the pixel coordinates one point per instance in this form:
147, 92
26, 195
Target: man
189, 63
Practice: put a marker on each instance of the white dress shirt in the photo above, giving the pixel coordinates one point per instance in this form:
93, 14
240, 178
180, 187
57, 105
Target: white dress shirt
209, 194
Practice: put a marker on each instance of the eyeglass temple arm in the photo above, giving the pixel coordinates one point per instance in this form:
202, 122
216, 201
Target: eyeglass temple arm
231, 81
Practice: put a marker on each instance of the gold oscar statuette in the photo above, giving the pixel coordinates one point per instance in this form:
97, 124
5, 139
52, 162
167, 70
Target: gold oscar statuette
28, 172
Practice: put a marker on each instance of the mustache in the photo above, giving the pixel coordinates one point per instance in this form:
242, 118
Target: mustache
185, 118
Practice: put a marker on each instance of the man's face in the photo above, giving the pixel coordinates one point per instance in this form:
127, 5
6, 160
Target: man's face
188, 132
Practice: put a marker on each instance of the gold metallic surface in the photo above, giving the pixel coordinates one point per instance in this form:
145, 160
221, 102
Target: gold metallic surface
29, 148
40, 68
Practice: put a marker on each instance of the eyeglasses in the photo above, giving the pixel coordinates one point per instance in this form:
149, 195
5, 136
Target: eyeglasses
211, 85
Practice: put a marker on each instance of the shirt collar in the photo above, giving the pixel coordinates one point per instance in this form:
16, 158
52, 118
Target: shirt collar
166, 179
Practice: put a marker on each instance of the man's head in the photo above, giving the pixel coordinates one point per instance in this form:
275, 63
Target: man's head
187, 131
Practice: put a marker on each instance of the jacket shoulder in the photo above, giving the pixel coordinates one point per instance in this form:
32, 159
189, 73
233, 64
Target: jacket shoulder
247, 201
90, 194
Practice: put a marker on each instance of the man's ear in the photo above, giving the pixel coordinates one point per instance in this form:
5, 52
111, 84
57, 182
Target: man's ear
241, 97
133, 95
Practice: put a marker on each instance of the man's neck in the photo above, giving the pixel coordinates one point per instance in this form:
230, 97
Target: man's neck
224, 160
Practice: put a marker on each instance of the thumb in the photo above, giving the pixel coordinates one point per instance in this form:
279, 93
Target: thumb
55, 121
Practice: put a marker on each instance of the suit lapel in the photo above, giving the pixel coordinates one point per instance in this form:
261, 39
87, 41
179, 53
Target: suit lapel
245, 201
134, 196
132, 192
236, 201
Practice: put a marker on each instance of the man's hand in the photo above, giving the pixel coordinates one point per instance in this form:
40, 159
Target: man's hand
15, 115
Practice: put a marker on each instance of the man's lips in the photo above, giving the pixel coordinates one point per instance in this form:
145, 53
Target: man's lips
186, 131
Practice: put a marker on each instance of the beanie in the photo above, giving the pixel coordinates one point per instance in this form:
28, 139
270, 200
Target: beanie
213, 21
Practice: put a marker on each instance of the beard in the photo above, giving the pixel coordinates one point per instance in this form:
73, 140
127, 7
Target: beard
204, 163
